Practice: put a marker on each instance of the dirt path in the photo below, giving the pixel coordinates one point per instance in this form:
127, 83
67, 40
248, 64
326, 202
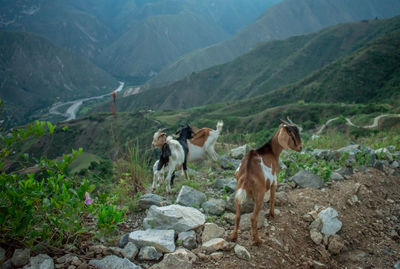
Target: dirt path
369, 229
373, 125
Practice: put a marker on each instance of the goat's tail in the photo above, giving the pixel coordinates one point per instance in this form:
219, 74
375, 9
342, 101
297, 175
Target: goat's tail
219, 126
240, 195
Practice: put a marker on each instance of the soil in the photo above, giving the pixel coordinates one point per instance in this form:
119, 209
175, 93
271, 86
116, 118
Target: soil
370, 228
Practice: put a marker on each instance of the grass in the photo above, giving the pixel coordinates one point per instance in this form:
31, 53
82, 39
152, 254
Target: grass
83, 161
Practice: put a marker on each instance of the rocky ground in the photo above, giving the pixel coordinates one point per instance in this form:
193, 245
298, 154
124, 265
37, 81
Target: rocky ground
352, 221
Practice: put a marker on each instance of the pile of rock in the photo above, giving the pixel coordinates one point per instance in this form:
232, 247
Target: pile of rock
323, 228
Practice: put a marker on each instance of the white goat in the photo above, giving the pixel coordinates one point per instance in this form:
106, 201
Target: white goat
172, 156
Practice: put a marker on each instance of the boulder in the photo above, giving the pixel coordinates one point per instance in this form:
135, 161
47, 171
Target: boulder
344, 171
21, 257
330, 223
188, 239
307, 179
162, 240
239, 152
242, 252
225, 184
150, 199
175, 217
214, 206
381, 165
212, 230
41, 261
228, 163
113, 262
149, 254
190, 197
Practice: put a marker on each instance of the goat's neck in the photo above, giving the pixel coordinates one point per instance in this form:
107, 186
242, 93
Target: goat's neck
276, 147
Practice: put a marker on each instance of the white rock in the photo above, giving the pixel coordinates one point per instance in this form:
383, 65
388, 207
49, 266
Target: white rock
41, 261
188, 239
113, 262
175, 217
242, 252
20, 257
162, 240
316, 237
212, 230
149, 253
129, 251
330, 223
239, 152
245, 221
214, 245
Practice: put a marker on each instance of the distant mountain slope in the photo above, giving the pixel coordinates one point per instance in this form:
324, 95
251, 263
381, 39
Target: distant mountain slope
34, 73
270, 66
156, 42
59, 22
288, 18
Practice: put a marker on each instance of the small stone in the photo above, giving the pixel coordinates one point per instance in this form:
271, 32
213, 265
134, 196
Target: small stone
229, 218
336, 244
316, 237
2, 255
214, 206
149, 199
245, 221
123, 240
41, 261
307, 217
217, 255
242, 252
174, 260
336, 177
113, 262
239, 152
214, 245
149, 254
21, 257
212, 230
190, 197
281, 198
188, 239
7, 265
71, 267
330, 223
316, 225
162, 240
129, 251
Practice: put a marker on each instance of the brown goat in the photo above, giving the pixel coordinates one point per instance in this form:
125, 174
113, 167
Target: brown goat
258, 172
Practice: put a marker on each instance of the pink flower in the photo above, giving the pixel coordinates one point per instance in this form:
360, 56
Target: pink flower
88, 200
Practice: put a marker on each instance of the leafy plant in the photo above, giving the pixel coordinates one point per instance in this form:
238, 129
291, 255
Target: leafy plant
109, 217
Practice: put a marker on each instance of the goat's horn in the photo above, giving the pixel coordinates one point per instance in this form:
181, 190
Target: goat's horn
284, 122
290, 121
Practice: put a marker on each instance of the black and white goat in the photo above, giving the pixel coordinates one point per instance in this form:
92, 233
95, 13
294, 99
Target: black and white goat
202, 143
173, 155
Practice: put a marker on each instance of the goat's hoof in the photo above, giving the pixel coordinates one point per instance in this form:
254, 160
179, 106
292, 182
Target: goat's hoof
257, 242
232, 238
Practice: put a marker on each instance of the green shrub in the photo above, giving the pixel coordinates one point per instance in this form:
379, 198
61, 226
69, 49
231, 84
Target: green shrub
109, 217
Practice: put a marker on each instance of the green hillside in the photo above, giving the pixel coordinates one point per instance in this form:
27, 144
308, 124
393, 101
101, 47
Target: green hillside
288, 18
274, 65
35, 74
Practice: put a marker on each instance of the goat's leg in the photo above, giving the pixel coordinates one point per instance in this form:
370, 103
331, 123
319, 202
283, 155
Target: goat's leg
211, 152
234, 234
272, 200
185, 170
169, 179
258, 200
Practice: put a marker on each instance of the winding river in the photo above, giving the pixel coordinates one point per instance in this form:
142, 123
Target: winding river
75, 105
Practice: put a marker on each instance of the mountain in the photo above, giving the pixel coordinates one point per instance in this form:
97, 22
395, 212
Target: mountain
59, 22
270, 66
156, 42
288, 18
131, 38
35, 73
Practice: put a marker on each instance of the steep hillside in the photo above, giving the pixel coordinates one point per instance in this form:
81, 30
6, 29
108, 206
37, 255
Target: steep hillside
156, 42
35, 73
291, 17
272, 66
59, 22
